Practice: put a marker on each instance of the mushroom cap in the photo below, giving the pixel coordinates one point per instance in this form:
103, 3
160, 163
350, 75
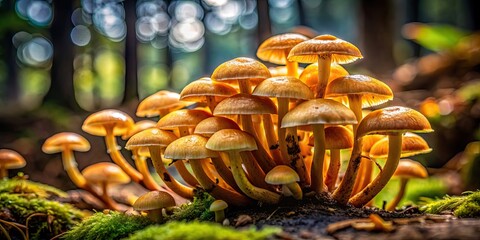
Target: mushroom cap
336, 137
310, 74
218, 205
280, 71
65, 140
198, 90
281, 174
231, 140
319, 111
369, 140
374, 92
393, 120
245, 104
283, 87
241, 69
189, 147
340, 50
166, 100
150, 137
105, 172
208, 126
138, 127
276, 48
154, 200
182, 118
408, 168
412, 144
11, 159
96, 122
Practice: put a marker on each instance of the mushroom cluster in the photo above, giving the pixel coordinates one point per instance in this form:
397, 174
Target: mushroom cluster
250, 134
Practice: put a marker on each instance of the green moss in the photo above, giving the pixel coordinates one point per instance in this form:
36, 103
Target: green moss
467, 205
201, 230
196, 210
46, 218
109, 225
21, 185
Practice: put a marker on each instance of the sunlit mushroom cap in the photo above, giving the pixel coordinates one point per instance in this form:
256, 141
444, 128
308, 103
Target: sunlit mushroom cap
65, 140
96, 122
245, 104
218, 205
310, 74
150, 137
373, 92
276, 48
319, 111
211, 125
369, 140
105, 172
412, 144
280, 71
283, 87
336, 137
391, 120
231, 140
198, 90
241, 69
281, 174
189, 147
408, 168
11, 159
340, 50
154, 200
182, 118
161, 100
138, 127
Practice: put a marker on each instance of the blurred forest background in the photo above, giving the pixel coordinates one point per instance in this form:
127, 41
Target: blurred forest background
61, 60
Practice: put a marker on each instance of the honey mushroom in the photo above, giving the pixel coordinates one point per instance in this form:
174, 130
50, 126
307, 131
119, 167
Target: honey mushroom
208, 91
10, 159
160, 104
287, 178
152, 203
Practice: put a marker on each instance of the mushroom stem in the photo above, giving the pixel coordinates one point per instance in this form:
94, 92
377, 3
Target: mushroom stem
231, 197
155, 215
344, 189
117, 157
281, 132
111, 204
3, 171
333, 168
263, 158
245, 87
172, 183
295, 157
257, 175
324, 62
211, 103
256, 193
294, 189
180, 165
318, 158
292, 68
224, 172
141, 165
271, 138
70, 166
401, 192
355, 104
219, 216
372, 189
364, 176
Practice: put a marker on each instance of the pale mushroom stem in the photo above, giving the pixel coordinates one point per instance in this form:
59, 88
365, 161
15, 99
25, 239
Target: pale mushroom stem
117, 157
324, 62
70, 166
256, 193
155, 215
219, 216
318, 158
180, 165
333, 168
344, 189
141, 165
401, 192
224, 172
211, 103
172, 183
281, 132
3, 171
254, 170
111, 204
364, 176
245, 87
355, 104
294, 189
292, 68
231, 197
271, 138
372, 189
263, 158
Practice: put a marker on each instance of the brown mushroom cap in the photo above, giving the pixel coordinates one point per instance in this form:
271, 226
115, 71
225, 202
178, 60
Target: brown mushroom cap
198, 90
245, 104
161, 100
218, 205
150, 137
369, 140
11, 159
105, 172
138, 127
281, 174
96, 122
231, 140
336, 137
65, 140
241, 69
182, 118
408, 168
374, 92
340, 50
283, 87
412, 144
310, 74
393, 120
154, 200
207, 127
276, 48
189, 147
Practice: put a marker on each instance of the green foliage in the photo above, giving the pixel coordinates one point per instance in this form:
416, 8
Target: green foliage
22, 186
196, 210
110, 225
201, 230
467, 205
46, 218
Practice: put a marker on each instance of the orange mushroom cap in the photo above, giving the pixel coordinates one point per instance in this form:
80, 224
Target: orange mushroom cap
161, 100
154, 200
408, 168
138, 127
276, 48
105, 172
182, 118
310, 74
11, 159
65, 140
241, 69
412, 144
336, 137
96, 122
245, 104
198, 90
211, 125
283, 87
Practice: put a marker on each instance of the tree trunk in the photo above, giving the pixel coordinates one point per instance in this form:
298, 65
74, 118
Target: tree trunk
131, 80
264, 26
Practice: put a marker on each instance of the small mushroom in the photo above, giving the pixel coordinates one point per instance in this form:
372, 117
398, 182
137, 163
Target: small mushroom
206, 90
10, 159
218, 207
287, 178
160, 104
153, 202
